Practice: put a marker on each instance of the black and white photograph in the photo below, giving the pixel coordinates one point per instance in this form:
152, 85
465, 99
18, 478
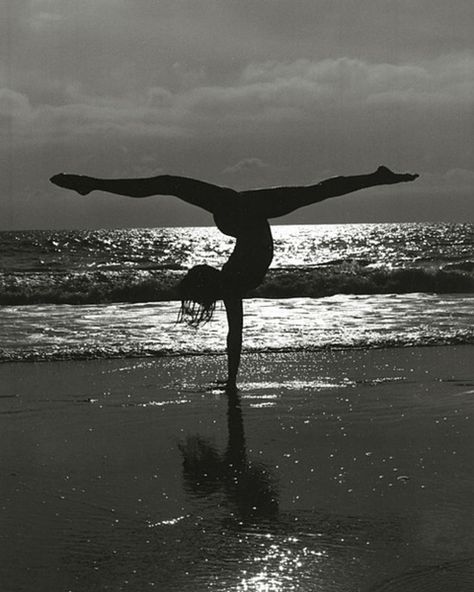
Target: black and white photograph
236, 296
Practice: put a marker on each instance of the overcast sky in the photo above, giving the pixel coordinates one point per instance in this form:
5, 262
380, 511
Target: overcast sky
242, 93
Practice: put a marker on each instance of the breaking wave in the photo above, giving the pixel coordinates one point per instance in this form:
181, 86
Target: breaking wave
348, 277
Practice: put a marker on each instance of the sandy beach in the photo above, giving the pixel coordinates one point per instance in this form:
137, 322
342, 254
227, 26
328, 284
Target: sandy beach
339, 470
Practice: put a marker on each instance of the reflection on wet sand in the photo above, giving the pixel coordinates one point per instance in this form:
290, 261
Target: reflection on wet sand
271, 550
355, 473
249, 487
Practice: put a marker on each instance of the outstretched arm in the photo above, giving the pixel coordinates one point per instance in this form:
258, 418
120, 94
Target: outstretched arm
235, 316
279, 201
198, 193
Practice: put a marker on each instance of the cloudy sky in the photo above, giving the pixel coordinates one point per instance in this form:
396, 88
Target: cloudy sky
242, 93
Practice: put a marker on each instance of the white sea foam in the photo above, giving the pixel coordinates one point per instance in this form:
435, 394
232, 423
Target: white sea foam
40, 332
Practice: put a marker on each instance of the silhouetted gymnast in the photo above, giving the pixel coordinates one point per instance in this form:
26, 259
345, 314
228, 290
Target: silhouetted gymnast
241, 214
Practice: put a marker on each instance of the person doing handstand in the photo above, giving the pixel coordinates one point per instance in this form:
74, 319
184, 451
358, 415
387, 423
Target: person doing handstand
243, 215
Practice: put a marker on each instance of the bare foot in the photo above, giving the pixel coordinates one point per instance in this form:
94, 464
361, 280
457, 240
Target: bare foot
79, 183
388, 177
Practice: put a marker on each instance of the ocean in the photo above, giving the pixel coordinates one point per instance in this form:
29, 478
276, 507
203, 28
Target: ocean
85, 294
342, 463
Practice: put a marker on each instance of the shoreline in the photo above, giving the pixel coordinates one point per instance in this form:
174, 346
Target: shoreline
245, 352
324, 356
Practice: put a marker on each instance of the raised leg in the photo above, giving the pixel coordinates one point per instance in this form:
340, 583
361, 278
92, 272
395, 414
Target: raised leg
201, 194
279, 201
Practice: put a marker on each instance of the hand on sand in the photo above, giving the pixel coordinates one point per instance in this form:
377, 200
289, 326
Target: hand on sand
79, 183
388, 177
222, 385
218, 385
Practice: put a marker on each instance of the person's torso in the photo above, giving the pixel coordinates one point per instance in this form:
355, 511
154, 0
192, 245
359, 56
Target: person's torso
253, 251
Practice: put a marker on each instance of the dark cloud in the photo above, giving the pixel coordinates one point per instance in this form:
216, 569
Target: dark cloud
306, 89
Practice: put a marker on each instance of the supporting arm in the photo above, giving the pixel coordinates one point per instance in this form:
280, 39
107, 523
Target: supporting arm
235, 315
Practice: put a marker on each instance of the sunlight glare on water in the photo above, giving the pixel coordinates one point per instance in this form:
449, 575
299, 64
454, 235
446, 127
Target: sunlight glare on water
281, 567
118, 330
184, 247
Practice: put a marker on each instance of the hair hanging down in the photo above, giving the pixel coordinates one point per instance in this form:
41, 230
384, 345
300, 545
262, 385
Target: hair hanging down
199, 291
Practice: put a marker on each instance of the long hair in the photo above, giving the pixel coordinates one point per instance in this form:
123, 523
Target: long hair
199, 291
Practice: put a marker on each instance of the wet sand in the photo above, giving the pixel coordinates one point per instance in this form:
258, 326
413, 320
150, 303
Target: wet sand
336, 471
